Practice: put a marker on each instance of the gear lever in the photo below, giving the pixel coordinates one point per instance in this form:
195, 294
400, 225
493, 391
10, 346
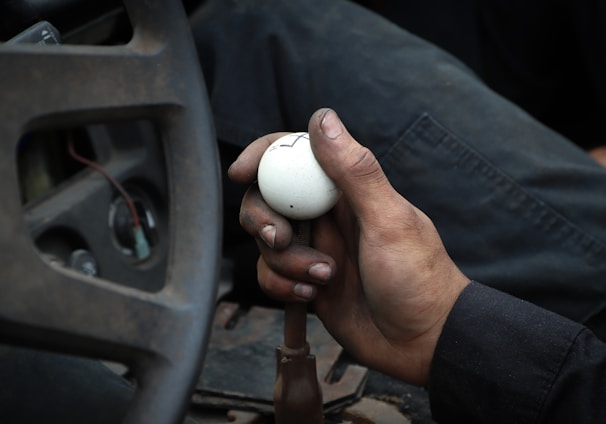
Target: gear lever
293, 184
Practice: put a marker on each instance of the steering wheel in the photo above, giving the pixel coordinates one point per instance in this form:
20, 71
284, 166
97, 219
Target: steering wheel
162, 335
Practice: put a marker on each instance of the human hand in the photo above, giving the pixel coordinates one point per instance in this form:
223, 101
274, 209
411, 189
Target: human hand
379, 276
599, 154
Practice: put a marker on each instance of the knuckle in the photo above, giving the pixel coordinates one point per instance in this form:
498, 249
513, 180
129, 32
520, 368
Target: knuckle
272, 283
364, 164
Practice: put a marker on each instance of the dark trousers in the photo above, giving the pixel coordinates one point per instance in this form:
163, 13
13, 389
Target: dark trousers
519, 207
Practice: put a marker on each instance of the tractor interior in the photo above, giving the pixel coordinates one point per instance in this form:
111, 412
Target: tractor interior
128, 293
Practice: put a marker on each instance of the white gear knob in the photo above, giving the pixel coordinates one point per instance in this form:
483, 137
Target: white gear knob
291, 180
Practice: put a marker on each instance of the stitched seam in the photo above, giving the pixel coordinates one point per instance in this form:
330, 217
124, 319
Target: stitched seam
527, 205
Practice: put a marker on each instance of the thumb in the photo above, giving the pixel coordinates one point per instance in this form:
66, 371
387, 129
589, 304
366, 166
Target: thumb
352, 167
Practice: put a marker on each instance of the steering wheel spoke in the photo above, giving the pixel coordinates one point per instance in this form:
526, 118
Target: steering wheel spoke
86, 83
63, 310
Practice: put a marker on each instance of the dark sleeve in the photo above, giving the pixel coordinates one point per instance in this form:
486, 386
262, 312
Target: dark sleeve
503, 360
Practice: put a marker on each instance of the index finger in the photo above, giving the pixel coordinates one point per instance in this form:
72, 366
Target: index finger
244, 168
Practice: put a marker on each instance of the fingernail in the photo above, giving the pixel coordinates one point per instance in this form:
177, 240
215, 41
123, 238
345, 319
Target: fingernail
304, 291
331, 125
268, 235
320, 271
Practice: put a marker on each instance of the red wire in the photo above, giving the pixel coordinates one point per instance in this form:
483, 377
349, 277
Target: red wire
112, 180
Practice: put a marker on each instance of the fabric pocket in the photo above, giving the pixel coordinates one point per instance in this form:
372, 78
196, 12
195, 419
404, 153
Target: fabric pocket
495, 229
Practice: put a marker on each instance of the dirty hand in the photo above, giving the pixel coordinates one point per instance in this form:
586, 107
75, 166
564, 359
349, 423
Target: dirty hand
378, 274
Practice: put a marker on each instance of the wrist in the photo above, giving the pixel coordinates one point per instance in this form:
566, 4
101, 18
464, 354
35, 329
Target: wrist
412, 358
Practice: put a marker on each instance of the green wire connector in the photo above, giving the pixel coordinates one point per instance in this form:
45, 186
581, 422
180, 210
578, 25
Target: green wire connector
142, 250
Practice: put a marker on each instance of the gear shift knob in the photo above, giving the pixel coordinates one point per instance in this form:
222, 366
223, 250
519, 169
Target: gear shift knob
291, 180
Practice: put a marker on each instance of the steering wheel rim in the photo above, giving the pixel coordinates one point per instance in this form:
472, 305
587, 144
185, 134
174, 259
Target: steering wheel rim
161, 335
